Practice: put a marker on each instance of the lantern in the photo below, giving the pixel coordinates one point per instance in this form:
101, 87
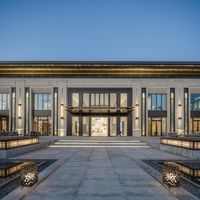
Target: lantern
29, 174
171, 174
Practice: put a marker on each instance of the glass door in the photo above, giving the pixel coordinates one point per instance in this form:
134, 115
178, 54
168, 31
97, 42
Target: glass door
156, 127
113, 126
3, 123
196, 125
86, 126
42, 125
99, 126
123, 126
75, 126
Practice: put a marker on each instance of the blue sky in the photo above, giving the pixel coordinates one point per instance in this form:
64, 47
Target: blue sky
132, 30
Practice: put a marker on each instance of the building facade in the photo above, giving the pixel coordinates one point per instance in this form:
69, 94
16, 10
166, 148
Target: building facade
100, 98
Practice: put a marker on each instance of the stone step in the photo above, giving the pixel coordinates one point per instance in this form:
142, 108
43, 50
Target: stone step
99, 144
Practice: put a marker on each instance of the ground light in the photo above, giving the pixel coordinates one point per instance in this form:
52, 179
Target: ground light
29, 174
171, 174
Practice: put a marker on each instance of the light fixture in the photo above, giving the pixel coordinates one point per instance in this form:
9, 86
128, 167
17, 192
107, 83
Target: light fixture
29, 174
19, 111
171, 174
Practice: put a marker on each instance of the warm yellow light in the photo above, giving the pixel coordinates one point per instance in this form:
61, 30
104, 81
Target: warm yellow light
171, 175
29, 175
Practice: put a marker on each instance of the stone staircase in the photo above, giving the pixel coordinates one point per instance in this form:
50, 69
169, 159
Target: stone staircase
96, 142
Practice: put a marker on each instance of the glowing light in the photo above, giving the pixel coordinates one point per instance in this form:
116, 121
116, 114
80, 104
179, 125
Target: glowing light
29, 175
171, 175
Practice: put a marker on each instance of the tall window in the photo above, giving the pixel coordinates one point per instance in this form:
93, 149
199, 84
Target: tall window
113, 100
123, 100
157, 102
195, 102
99, 99
4, 101
42, 101
86, 99
75, 99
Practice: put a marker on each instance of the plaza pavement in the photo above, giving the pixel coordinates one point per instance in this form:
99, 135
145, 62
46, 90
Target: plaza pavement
99, 169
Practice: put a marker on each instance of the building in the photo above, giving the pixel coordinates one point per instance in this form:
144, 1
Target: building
100, 98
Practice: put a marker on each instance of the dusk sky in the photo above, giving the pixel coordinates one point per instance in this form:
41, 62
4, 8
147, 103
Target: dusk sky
78, 30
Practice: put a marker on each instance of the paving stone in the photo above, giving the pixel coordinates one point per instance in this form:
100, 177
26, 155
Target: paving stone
100, 174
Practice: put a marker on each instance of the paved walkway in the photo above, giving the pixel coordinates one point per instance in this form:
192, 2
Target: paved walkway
100, 169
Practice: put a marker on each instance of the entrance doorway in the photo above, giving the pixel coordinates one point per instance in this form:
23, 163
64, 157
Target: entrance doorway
99, 126
156, 127
3, 123
42, 125
196, 125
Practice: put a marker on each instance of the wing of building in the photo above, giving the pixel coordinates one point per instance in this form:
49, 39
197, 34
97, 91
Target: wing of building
100, 98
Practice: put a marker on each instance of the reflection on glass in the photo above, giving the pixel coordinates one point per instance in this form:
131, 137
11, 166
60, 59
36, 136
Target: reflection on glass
75, 100
113, 100
157, 102
164, 102
42, 101
101, 99
123, 100
149, 102
3, 123
106, 103
86, 99
157, 126
99, 126
42, 125
97, 100
154, 106
123, 126
195, 124
113, 126
4, 101
86, 124
75, 126
195, 102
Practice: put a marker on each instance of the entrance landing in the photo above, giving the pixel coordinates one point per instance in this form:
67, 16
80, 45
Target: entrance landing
98, 168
